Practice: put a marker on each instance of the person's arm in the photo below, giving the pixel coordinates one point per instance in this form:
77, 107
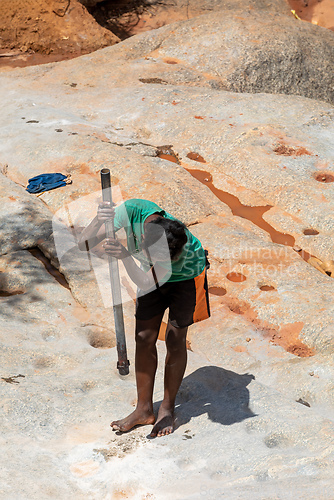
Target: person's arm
95, 232
144, 280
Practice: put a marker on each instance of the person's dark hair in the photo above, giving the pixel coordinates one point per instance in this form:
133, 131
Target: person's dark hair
175, 233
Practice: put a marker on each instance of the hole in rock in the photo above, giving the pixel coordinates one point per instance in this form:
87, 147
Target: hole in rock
267, 288
171, 158
39, 255
301, 350
170, 61
196, 157
101, 340
166, 153
310, 232
217, 290
236, 277
324, 177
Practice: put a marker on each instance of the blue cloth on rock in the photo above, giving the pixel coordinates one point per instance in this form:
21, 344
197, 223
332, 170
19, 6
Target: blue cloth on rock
46, 182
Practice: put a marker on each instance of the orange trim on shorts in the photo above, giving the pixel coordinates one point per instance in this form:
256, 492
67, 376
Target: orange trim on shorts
202, 310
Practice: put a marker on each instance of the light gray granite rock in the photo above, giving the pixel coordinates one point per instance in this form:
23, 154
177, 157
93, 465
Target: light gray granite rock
255, 410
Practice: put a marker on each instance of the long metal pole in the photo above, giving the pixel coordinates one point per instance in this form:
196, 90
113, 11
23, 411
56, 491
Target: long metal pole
123, 362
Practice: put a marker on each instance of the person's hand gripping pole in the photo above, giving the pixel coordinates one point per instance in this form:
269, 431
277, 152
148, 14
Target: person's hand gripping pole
123, 362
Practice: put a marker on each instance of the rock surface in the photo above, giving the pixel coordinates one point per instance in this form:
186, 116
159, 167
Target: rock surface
249, 174
234, 436
25, 222
243, 51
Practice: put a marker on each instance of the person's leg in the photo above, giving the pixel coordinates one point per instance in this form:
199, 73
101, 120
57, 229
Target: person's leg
147, 332
175, 365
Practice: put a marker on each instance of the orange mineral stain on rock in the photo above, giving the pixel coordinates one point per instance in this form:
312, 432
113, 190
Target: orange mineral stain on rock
120, 494
84, 469
253, 214
285, 336
236, 306
171, 60
285, 150
62, 317
239, 348
195, 157
166, 153
101, 136
85, 432
310, 232
288, 338
236, 277
80, 313
217, 290
324, 177
267, 288
171, 158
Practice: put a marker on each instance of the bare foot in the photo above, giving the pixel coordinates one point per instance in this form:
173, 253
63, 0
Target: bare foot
164, 423
137, 417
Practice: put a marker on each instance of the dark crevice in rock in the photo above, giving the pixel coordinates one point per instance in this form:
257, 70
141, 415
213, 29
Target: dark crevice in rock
4, 170
7, 293
12, 379
197, 222
153, 80
55, 273
303, 402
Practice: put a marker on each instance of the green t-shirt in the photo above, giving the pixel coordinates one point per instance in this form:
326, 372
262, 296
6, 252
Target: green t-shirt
132, 214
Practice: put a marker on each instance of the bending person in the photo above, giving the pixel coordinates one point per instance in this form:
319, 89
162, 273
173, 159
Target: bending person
171, 274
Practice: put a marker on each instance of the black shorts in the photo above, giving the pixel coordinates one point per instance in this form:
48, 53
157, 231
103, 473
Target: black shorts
188, 301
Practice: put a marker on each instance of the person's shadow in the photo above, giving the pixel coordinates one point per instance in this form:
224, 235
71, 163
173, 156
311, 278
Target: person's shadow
220, 393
